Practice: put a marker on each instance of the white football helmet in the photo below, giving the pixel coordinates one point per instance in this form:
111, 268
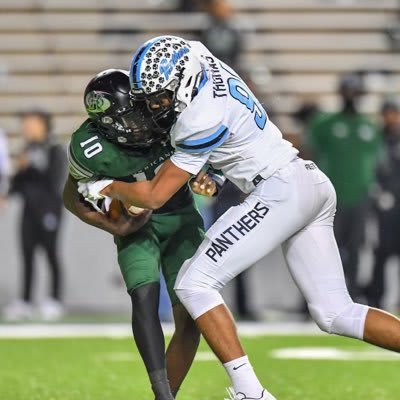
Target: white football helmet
166, 72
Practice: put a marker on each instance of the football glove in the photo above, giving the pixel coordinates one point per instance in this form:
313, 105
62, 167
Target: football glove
101, 205
91, 189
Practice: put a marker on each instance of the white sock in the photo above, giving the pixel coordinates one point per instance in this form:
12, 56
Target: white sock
243, 377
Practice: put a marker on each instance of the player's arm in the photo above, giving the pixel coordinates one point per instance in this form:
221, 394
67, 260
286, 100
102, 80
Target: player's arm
74, 203
150, 194
153, 194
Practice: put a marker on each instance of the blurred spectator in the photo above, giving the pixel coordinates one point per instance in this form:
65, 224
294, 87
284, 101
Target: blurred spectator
220, 36
387, 202
346, 146
307, 110
188, 5
39, 179
305, 113
4, 168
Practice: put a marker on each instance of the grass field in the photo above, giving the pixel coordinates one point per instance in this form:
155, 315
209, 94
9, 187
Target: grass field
110, 369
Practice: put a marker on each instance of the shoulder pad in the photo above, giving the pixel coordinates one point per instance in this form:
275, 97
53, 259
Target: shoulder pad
203, 113
203, 141
78, 167
200, 126
91, 154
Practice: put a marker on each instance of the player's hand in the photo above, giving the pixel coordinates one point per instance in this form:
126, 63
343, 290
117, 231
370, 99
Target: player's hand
127, 224
91, 190
203, 184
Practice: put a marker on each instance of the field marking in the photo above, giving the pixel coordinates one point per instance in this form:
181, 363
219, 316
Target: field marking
201, 356
334, 353
123, 330
205, 356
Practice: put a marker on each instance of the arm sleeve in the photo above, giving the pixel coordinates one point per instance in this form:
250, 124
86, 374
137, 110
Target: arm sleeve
191, 163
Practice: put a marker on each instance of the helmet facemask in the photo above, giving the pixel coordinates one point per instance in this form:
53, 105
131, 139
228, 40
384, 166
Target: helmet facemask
163, 73
127, 127
161, 107
108, 104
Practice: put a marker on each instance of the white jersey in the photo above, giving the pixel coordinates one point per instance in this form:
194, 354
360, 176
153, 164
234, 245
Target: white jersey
226, 127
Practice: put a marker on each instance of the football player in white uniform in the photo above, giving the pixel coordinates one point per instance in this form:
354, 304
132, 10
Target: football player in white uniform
213, 118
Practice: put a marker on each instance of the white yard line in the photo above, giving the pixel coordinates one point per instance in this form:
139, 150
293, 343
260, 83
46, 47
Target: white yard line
334, 353
123, 330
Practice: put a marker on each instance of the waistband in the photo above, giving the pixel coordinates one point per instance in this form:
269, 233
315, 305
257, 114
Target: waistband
309, 165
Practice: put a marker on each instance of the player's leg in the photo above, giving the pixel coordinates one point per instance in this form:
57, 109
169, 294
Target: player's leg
201, 279
242, 236
149, 337
138, 257
314, 262
182, 347
184, 234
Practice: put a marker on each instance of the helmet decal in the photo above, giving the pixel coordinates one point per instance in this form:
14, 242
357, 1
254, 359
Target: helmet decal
96, 102
108, 104
164, 73
155, 61
137, 61
167, 65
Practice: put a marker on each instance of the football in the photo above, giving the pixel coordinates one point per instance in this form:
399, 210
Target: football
116, 207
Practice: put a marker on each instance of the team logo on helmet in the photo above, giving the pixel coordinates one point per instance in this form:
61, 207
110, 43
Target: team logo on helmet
157, 62
167, 65
96, 102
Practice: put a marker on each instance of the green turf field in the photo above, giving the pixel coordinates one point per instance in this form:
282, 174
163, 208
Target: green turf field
110, 369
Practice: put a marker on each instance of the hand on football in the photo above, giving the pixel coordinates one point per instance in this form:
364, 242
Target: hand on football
127, 224
204, 185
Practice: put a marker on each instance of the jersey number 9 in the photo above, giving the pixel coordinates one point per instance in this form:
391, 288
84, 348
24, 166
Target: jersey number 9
239, 91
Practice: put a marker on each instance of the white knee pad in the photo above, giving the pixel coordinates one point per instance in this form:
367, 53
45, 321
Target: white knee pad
198, 296
345, 321
198, 301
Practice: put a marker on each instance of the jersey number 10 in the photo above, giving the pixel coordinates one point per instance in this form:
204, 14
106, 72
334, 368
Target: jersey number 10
239, 91
93, 149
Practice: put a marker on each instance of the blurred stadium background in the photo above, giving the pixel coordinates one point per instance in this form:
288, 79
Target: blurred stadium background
294, 52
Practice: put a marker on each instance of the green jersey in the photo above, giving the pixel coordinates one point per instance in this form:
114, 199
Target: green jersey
92, 156
173, 233
346, 149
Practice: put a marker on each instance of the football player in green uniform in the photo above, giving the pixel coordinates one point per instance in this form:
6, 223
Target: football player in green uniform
107, 144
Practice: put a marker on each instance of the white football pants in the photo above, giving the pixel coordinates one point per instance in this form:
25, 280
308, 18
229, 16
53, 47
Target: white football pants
294, 208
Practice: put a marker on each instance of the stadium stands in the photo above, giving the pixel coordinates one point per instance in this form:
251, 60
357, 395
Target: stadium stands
49, 49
